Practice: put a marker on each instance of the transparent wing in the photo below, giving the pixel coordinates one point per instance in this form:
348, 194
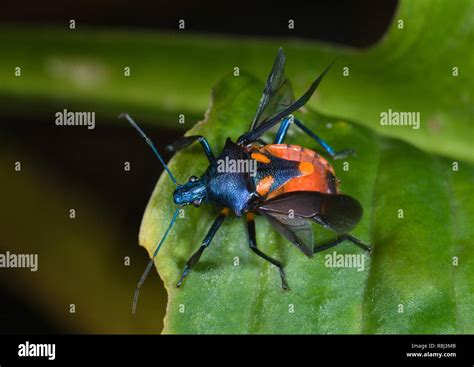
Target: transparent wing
341, 213
277, 95
264, 124
297, 230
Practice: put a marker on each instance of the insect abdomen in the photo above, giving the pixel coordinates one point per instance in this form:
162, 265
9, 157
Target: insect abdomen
322, 179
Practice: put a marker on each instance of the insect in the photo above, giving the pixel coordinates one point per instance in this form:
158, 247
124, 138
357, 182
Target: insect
292, 187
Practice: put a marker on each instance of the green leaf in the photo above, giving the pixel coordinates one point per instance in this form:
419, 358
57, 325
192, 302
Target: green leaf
409, 70
411, 266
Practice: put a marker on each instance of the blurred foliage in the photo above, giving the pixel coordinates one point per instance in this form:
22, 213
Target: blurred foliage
411, 263
80, 260
411, 69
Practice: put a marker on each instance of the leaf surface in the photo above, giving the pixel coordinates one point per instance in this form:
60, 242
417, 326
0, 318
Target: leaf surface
417, 216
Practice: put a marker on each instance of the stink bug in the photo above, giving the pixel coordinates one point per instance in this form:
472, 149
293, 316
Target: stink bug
289, 179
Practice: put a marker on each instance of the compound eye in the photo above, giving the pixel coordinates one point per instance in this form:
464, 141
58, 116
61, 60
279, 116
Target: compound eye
197, 203
193, 179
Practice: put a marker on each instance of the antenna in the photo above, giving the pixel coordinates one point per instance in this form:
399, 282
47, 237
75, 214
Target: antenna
150, 263
150, 143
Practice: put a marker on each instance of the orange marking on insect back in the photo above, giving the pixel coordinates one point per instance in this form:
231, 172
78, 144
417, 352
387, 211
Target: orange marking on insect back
250, 216
225, 211
306, 168
264, 185
259, 157
314, 180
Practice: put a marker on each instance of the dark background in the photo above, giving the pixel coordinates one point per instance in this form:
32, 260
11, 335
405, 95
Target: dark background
358, 23
353, 23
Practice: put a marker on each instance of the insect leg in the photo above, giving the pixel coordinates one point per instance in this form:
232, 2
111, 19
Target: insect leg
253, 246
186, 141
342, 238
281, 134
335, 155
205, 243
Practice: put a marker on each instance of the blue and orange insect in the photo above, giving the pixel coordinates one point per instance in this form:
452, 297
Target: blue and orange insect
292, 186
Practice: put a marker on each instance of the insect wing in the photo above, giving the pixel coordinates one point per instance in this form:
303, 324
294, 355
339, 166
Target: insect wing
297, 230
268, 123
341, 213
277, 95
